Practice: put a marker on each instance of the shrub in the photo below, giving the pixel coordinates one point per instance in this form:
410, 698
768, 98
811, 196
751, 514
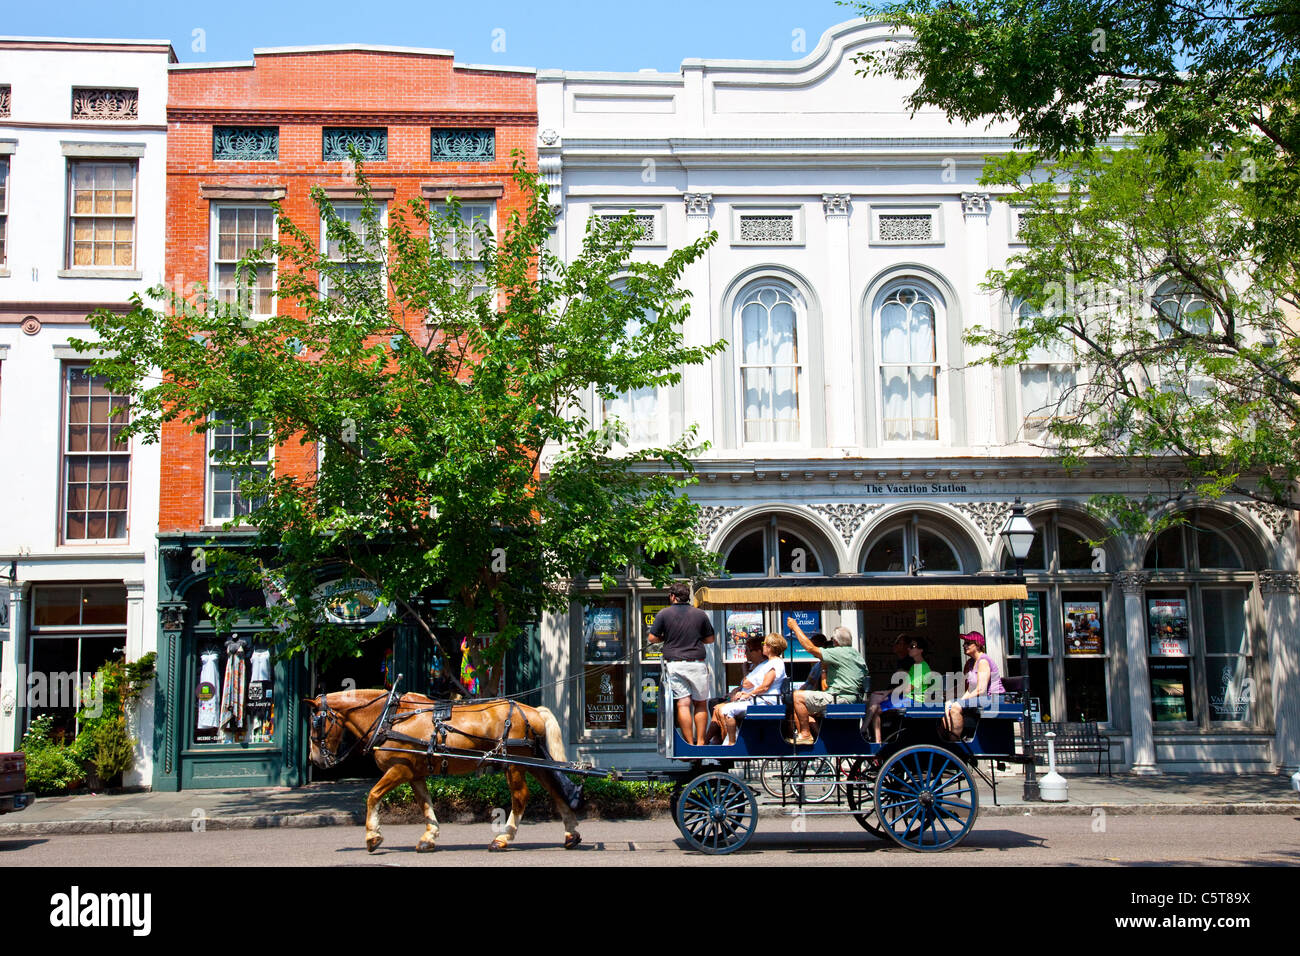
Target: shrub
480, 795
52, 767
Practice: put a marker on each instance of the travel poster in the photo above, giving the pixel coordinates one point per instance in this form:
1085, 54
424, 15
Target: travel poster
1170, 684
651, 652
1083, 628
603, 632
808, 621
1167, 627
742, 624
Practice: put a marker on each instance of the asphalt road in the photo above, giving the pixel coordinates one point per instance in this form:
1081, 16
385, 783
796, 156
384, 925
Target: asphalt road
1123, 841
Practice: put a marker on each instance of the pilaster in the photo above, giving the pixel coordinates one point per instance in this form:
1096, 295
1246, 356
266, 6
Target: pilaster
1133, 584
838, 324
1281, 594
697, 382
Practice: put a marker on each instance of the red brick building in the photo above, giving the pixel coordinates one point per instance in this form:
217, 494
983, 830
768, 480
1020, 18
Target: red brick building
239, 136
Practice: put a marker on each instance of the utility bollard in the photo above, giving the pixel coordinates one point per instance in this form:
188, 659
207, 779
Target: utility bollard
1053, 787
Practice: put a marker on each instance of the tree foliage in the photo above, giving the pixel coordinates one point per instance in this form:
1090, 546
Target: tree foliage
1165, 269
438, 375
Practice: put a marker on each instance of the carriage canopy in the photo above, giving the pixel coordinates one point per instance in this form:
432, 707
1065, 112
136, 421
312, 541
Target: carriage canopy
850, 591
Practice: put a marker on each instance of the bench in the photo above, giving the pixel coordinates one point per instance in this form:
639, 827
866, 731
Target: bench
1072, 738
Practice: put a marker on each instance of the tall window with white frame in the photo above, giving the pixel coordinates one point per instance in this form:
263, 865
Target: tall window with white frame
464, 242
101, 215
96, 462
226, 440
1181, 313
636, 411
351, 214
4, 212
907, 317
770, 369
1047, 380
237, 230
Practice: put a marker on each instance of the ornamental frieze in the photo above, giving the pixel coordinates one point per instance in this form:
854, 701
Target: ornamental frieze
697, 204
6, 97
989, 516
97, 104
1132, 582
846, 518
463, 145
711, 517
1279, 582
371, 143
1276, 519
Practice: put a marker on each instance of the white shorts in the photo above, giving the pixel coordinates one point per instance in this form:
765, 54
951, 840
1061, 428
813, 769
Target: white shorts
688, 679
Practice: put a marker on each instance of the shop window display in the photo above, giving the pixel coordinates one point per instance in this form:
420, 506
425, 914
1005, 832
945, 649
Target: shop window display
235, 700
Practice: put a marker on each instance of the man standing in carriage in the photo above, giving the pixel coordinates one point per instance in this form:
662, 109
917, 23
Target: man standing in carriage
684, 630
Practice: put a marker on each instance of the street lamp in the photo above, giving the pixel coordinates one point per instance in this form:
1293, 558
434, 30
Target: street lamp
1019, 536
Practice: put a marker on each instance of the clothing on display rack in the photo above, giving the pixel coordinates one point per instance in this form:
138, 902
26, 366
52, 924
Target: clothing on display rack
233, 687
207, 691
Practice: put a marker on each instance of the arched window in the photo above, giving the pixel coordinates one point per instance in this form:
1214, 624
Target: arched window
1199, 632
773, 550
768, 327
907, 317
911, 547
1047, 379
1181, 313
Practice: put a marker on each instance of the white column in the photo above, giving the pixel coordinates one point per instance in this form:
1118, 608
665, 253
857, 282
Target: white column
697, 382
1133, 584
837, 324
978, 392
13, 673
1281, 593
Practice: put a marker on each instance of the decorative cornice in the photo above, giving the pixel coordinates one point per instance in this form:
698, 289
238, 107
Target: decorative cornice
711, 516
1276, 519
836, 204
344, 116
975, 204
989, 516
1132, 582
1279, 582
847, 518
697, 204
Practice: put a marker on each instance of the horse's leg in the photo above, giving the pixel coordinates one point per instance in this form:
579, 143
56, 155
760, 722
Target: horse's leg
572, 837
518, 800
430, 836
396, 774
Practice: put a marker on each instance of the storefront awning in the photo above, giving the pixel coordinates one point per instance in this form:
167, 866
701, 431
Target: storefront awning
859, 590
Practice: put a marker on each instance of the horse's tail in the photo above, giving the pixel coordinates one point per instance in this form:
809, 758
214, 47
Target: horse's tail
554, 737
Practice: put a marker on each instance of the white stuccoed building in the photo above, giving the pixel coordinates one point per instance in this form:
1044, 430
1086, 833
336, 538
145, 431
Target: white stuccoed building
83, 128
849, 434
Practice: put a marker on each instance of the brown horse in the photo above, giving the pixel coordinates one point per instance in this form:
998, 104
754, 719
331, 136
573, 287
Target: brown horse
474, 726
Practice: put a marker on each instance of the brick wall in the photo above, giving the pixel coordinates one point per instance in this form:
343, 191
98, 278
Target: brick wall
301, 93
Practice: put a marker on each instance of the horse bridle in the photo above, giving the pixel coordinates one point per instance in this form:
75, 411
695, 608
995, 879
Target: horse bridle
326, 718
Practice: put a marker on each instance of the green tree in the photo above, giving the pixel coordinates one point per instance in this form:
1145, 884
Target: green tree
1168, 267
439, 374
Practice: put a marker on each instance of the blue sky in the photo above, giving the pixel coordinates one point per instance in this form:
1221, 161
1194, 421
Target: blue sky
567, 34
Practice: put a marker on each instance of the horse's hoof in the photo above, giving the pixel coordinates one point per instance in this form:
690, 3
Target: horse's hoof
572, 840
498, 845
373, 843
425, 847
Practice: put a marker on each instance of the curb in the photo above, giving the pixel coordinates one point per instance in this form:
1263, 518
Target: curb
339, 818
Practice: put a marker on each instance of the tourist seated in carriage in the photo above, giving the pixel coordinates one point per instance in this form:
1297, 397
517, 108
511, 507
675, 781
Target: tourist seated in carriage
763, 683
846, 678
915, 671
982, 681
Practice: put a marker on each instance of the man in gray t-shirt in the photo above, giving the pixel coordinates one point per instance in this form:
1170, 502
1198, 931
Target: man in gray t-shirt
683, 631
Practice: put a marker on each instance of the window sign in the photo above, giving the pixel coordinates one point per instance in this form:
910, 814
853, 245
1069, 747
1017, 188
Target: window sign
1083, 627
1170, 683
742, 624
606, 698
649, 610
649, 698
1167, 627
1230, 688
604, 633
808, 621
1029, 628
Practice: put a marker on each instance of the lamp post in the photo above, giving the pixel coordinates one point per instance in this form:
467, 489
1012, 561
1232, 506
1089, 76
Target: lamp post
1019, 536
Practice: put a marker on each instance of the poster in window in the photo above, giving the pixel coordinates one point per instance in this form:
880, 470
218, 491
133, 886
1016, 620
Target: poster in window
1083, 627
1167, 627
1230, 689
1170, 684
649, 609
603, 635
809, 622
606, 698
742, 624
650, 698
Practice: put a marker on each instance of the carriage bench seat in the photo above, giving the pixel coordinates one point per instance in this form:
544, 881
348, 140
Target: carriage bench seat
1072, 738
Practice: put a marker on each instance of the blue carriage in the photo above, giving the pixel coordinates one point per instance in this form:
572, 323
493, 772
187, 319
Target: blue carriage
917, 788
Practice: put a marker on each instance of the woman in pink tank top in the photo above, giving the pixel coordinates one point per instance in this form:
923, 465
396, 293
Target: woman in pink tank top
982, 680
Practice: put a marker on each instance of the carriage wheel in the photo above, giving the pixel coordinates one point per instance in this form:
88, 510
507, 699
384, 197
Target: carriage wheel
861, 792
717, 813
926, 799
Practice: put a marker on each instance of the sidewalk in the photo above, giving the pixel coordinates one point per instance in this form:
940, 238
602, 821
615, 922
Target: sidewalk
343, 804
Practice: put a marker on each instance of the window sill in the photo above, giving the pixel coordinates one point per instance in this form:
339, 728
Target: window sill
99, 274
4, 273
